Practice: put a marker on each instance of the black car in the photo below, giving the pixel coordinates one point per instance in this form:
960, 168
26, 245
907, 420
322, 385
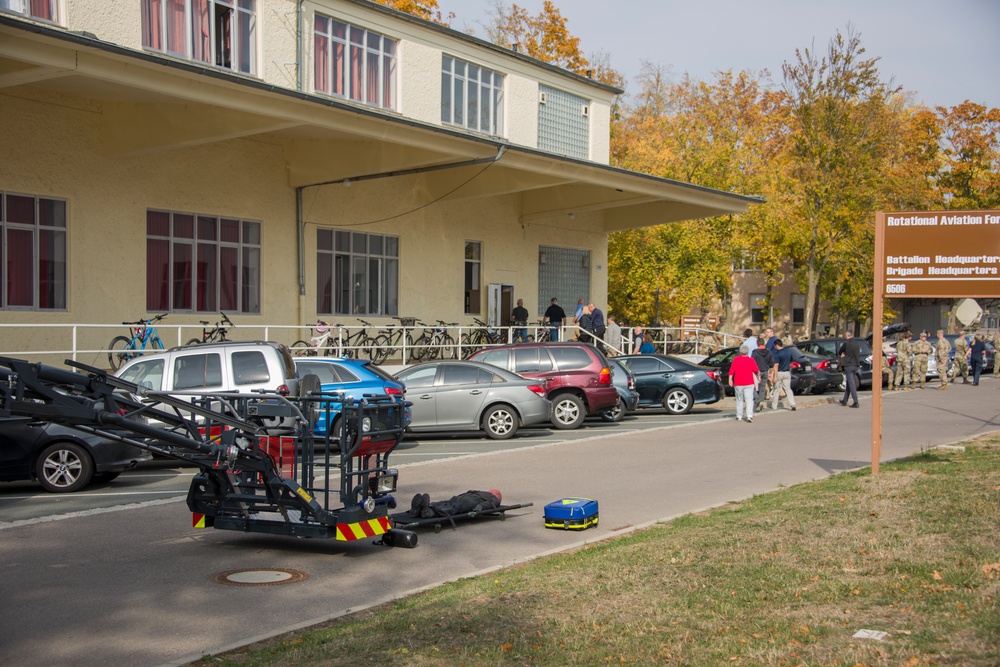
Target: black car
668, 382
628, 397
826, 370
802, 376
830, 348
59, 458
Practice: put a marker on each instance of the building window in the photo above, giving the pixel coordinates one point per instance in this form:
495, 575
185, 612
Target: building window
201, 263
747, 263
356, 273
563, 273
43, 10
473, 277
354, 63
471, 96
563, 123
218, 32
757, 305
33, 252
798, 308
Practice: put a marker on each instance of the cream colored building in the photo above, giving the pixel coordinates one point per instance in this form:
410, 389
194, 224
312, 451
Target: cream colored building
284, 160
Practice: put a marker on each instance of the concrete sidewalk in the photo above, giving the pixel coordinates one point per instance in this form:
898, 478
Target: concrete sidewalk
134, 587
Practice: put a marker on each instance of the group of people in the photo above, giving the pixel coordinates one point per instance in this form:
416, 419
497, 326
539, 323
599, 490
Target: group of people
912, 357
762, 369
603, 332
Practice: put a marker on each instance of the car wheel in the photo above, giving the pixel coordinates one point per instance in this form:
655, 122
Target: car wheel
677, 401
568, 411
500, 422
64, 467
615, 414
105, 477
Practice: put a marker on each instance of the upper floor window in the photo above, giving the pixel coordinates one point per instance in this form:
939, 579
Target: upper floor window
44, 10
471, 96
201, 263
218, 32
32, 252
354, 63
563, 123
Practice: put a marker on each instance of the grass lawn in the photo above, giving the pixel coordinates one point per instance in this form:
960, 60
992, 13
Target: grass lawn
785, 578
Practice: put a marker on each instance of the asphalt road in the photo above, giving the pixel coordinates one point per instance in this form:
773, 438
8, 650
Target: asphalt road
131, 584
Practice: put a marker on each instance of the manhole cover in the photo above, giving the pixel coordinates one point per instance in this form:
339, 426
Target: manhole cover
259, 577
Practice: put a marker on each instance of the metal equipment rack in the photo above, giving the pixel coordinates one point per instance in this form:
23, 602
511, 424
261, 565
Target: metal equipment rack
276, 479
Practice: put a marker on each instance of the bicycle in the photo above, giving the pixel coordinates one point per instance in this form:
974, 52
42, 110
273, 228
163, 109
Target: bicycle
479, 338
141, 335
216, 333
542, 333
324, 339
435, 342
393, 337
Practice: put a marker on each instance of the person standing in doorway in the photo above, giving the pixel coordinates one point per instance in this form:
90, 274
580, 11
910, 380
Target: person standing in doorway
744, 378
520, 318
942, 350
850, 364
783, 381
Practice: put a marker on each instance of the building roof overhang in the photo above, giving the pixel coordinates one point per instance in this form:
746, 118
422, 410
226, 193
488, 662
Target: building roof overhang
152, 103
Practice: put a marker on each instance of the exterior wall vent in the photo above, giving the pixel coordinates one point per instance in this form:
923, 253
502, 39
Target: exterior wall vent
541, 97
585, 110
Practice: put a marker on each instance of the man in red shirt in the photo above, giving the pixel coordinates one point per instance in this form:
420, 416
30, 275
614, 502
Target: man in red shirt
744, 375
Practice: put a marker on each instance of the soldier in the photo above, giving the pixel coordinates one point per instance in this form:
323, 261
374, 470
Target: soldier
903, 353
887, 370
995, 339
942, 351
921, 349
962, 358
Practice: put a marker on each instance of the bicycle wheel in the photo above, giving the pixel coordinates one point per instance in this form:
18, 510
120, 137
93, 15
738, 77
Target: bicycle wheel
194, 341
420, 349
155, 343
117, 354
469, 346
373, 348
448, 349
300, 348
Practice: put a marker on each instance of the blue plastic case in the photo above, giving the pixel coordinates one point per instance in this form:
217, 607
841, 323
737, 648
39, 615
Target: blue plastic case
571, 514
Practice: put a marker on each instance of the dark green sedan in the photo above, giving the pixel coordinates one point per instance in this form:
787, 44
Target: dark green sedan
671, 383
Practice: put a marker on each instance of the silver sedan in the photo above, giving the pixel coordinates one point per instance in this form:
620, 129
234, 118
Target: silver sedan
472, 396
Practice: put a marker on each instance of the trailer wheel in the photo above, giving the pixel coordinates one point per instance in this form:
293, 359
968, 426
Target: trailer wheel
500, 422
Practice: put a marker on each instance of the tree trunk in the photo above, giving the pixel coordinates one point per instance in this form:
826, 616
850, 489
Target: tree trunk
812, 313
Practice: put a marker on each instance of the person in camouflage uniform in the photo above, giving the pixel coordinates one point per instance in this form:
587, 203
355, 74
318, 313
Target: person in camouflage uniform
921, 349
942, 350
887, 370
995, 339
903, 353
962, 358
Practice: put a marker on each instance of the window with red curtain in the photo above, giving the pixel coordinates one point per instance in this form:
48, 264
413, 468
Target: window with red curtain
33, 248
201, 30
201, 263
321, 64
176, 34
152, 24
43, 9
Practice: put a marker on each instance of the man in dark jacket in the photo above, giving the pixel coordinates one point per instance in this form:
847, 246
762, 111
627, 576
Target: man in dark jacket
598, 326
463, 503
850, 362
765, 362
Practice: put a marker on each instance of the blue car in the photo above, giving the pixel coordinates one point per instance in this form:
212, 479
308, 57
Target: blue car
356, 378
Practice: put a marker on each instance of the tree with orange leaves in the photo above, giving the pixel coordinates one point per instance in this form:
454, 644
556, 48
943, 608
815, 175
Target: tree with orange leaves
424, 9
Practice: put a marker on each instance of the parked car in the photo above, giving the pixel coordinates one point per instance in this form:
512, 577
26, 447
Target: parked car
355, 378
216, 368
628, 397
830, 349
667, 382
61, 459
825, 369
802, 376
472, 396
577, 376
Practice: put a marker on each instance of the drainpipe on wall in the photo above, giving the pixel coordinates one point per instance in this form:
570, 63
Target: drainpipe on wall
298, 45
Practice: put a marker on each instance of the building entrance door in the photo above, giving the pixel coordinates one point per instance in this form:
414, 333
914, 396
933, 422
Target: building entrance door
500, 302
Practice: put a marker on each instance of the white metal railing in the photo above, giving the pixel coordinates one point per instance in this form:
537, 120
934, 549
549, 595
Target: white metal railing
88, 343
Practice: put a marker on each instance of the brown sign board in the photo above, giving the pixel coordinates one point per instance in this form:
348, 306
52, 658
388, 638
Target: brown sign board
942, 254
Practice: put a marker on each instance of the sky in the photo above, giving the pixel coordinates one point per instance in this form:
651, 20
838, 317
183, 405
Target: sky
942, 52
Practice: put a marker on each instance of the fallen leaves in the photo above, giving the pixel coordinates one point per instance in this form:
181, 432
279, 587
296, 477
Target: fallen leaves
991, 570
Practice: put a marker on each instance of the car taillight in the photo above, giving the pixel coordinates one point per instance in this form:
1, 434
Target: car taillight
631, 383
823, 365
284, 390
712, 374
795, 364
605, 376
537, 389
394, 391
